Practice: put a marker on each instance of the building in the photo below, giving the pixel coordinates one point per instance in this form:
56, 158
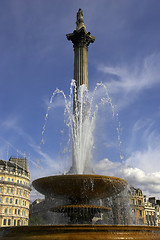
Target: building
14, 192
137, 200
150, 213
157, 206
143, 211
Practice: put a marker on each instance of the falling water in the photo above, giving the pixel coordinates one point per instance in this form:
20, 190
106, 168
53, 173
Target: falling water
81, 123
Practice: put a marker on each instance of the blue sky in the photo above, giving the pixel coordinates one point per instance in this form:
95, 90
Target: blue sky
36, 58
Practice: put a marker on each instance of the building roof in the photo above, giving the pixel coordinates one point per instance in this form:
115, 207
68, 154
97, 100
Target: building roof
14, 163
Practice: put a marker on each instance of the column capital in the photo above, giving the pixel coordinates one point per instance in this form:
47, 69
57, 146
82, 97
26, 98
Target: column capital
80, 38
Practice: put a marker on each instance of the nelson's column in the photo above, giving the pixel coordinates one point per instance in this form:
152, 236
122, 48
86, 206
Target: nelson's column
81, 40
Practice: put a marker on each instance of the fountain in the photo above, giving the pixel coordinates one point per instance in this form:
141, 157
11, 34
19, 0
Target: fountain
80, 186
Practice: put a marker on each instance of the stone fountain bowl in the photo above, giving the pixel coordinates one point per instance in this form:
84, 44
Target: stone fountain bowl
80, 186
80, 232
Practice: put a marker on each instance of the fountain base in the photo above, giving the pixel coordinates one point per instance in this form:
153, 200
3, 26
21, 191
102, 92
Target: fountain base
79, 232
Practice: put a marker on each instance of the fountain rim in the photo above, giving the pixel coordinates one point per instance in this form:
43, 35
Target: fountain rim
90, 186
88, 176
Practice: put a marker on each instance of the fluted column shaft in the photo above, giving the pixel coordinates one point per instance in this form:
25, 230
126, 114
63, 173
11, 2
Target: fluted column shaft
81, 65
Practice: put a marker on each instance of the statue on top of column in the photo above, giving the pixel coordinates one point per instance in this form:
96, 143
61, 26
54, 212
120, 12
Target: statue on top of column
80, 21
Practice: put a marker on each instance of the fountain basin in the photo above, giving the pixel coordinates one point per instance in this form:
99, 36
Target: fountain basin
80, 232
80, 186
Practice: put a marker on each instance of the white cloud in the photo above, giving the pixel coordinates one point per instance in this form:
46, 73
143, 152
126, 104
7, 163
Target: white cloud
105, 166
129, 81
148, 182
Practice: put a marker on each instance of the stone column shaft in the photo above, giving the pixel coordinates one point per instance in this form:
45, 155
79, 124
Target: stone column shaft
81, 66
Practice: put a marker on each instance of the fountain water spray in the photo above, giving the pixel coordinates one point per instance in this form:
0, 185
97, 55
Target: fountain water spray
81, 123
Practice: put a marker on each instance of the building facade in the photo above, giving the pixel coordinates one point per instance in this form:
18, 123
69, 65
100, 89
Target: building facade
14, 192
150, 214
136, 200
143, 211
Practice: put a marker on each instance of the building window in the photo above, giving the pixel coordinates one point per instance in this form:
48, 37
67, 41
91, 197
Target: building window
0, 199
132, 201
14, 222
139, 202
7, 200
4, 221
8, 179
7, 190
19, 202
12, 180
18, 211
1, 178
10, 200
10, 210
20, 192
18, 222
17, 191
12, 190
0, 189
20, 182
5, 210
16, 201
17, 181
140, 212
9, 222
15, 211
133, 211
